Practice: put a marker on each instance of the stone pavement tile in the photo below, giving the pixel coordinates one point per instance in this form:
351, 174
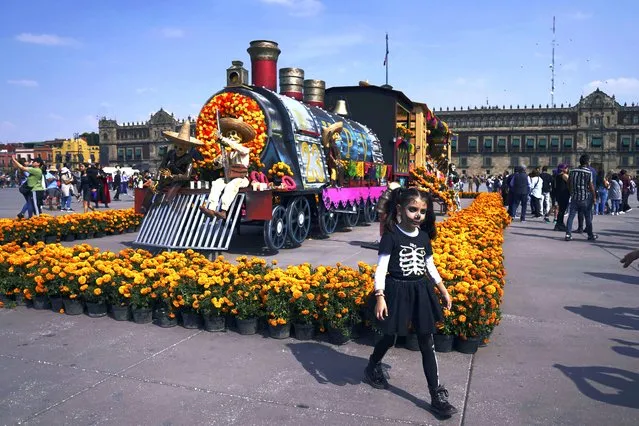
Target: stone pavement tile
94, 343
28, 387
558, 376
130, 402
314, 374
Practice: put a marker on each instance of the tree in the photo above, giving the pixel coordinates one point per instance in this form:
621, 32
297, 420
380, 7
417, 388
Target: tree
93, 139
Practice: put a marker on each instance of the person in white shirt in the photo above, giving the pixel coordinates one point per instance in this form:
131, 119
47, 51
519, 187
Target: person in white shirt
536, 183
66, 188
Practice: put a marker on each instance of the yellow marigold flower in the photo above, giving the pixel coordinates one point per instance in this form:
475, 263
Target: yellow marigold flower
97, 291
462, 318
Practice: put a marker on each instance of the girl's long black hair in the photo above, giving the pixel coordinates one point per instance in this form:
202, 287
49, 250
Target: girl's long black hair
403, 197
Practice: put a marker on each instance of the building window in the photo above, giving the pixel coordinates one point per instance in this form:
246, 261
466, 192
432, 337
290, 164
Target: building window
487, 162
463, 162
534, 161
625, 143
567, 160
596, 142
516, 143
129, 154
453, 144
530, 143
501, 144
120, 154
542, 143
596, 121
162, 150
568, 142
472, 144
488, 144
637, 143
554, 143
554, 161
138, 153
543, 121
625, 161
635, 119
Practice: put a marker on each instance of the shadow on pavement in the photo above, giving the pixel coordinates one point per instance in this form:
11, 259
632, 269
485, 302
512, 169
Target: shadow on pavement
627, 349
627, 279
623, 384
619, 317
327, 365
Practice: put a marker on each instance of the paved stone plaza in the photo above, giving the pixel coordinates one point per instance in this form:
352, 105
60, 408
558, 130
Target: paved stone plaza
566, 352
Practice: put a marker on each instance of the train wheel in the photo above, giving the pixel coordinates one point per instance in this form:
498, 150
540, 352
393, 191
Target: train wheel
275, 229
370, 212
298, 220
350, 219
327, 220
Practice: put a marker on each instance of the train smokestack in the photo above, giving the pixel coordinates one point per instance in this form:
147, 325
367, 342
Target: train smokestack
314, 91
292, 83
264, 55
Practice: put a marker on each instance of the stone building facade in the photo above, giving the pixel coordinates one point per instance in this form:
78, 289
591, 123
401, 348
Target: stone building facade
490, 140
139, 145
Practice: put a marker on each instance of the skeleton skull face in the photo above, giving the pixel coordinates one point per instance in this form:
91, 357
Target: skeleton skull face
232, 134
180, 149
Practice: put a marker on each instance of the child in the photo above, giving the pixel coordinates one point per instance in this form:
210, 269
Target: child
405, 298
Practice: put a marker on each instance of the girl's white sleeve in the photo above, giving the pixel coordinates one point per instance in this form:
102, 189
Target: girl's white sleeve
382, 270
431, 268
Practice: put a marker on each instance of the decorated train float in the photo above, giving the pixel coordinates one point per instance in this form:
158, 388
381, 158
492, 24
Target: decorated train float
319, 159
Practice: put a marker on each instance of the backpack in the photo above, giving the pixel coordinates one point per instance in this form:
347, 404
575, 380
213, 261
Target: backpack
633, 187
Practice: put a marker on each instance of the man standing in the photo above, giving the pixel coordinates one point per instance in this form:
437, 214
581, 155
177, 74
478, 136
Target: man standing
582, 196
546, 189
117, 181
34, 181
519, 188
625, 191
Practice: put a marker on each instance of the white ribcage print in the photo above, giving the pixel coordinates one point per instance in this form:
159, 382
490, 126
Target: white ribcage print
412, 260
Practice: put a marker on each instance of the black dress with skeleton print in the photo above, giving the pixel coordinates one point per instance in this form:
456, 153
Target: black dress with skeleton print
407, 254
413, 306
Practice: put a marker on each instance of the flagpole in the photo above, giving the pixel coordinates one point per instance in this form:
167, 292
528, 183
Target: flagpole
386, 61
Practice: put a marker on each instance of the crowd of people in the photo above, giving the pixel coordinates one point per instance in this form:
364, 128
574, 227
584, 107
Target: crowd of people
44, 186
580, 192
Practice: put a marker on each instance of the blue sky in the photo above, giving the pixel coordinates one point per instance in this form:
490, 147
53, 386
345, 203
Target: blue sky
67, 63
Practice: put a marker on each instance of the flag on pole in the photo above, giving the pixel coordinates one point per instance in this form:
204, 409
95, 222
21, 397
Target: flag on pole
386, 56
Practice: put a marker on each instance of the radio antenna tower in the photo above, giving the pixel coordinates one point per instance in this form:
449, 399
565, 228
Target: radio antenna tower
552, 67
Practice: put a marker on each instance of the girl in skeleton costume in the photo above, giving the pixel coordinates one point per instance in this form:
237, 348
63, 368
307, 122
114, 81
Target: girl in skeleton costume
404, 289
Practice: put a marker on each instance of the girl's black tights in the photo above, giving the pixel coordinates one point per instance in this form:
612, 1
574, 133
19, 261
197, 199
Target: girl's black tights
426, 347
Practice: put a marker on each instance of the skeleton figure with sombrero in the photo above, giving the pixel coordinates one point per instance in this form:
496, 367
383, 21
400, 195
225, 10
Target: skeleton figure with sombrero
233, 133
175, 168
333, 154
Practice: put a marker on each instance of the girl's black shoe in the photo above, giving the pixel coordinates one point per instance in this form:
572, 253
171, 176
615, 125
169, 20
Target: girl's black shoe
439, 402
374, 376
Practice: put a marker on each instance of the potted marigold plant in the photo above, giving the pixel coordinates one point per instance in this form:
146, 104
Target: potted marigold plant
185, 297
142, 298
276, 296
337, 303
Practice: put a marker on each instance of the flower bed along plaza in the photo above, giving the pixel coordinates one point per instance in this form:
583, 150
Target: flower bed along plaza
78, 225
468, 254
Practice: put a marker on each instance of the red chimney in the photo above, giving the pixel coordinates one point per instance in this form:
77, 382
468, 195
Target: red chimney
264, 56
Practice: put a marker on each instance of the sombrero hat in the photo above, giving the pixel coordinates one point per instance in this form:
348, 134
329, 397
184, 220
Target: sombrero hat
184, 137
246, 132
328, 132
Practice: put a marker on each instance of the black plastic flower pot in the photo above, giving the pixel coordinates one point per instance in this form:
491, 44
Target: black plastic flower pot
96, 309
280, 331
214, 323
190, 319
41, 301
304, 331
468, 345
73, 306
443, 342
56, 304
246, 326
120, 313
142, 315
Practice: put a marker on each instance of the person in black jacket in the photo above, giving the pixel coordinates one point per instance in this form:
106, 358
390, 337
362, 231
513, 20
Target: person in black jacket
520, 188
546, 190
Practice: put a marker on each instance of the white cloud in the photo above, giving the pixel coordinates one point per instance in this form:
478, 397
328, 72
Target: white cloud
6, 125
172, 32
105, 104
23, 83
622, 86
143, 90
580, 16
47, 39
325, 45
299, 7
55, 116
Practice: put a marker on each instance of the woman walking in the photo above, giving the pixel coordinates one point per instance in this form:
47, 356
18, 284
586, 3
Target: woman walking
404, 291
614, 193
562, 194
